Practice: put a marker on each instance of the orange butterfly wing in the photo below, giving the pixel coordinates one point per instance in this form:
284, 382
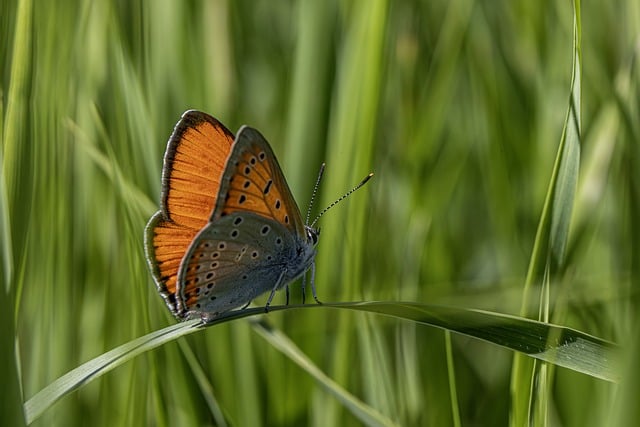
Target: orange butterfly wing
194, 161
252, 182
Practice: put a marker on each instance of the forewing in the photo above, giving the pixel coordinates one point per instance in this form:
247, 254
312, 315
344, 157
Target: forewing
253, 182
193, 167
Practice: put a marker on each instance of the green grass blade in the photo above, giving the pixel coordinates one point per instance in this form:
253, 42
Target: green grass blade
453, 392
553, 227
204, 383
36, 405
17, 97
547, 259
100, 365
355, 109
307, 116
363, 412
558, 345
543, 341
14, 110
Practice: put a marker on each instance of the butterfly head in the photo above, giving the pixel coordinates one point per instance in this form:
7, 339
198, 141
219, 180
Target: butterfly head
312, 235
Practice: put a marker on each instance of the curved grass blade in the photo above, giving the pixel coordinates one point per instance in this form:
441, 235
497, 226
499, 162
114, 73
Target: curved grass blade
530, 382
553, 228
555, 344
97, 367
368, 415
559, 345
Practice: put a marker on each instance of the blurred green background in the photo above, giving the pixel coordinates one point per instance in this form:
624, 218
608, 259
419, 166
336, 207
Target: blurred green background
456, 106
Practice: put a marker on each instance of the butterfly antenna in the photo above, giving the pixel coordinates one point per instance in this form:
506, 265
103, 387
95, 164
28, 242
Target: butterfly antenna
315, 191
341, 198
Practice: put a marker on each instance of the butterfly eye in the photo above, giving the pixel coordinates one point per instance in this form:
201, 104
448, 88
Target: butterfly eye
312, 235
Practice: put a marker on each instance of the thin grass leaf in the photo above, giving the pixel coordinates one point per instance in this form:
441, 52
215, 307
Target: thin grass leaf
11, 158
99, 366
553, 227
354, 113
17, 97
555, 344
558, 345
204, 383
306, 120
108, 164
360, 410
36, 405
10, 412
453, 391
547, 260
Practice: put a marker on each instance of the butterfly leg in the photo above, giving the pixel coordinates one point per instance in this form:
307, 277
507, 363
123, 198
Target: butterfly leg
313, 284
286, 290
304, 283
273, 291
246, 305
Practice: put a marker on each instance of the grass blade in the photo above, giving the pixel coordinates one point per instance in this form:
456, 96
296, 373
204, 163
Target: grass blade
363, 412
558, 345
547, 259
99, 366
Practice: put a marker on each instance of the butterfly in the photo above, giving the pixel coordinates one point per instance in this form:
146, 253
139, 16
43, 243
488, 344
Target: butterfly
228, 229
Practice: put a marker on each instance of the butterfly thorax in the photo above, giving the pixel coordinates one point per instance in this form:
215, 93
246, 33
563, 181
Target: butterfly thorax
305, 252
